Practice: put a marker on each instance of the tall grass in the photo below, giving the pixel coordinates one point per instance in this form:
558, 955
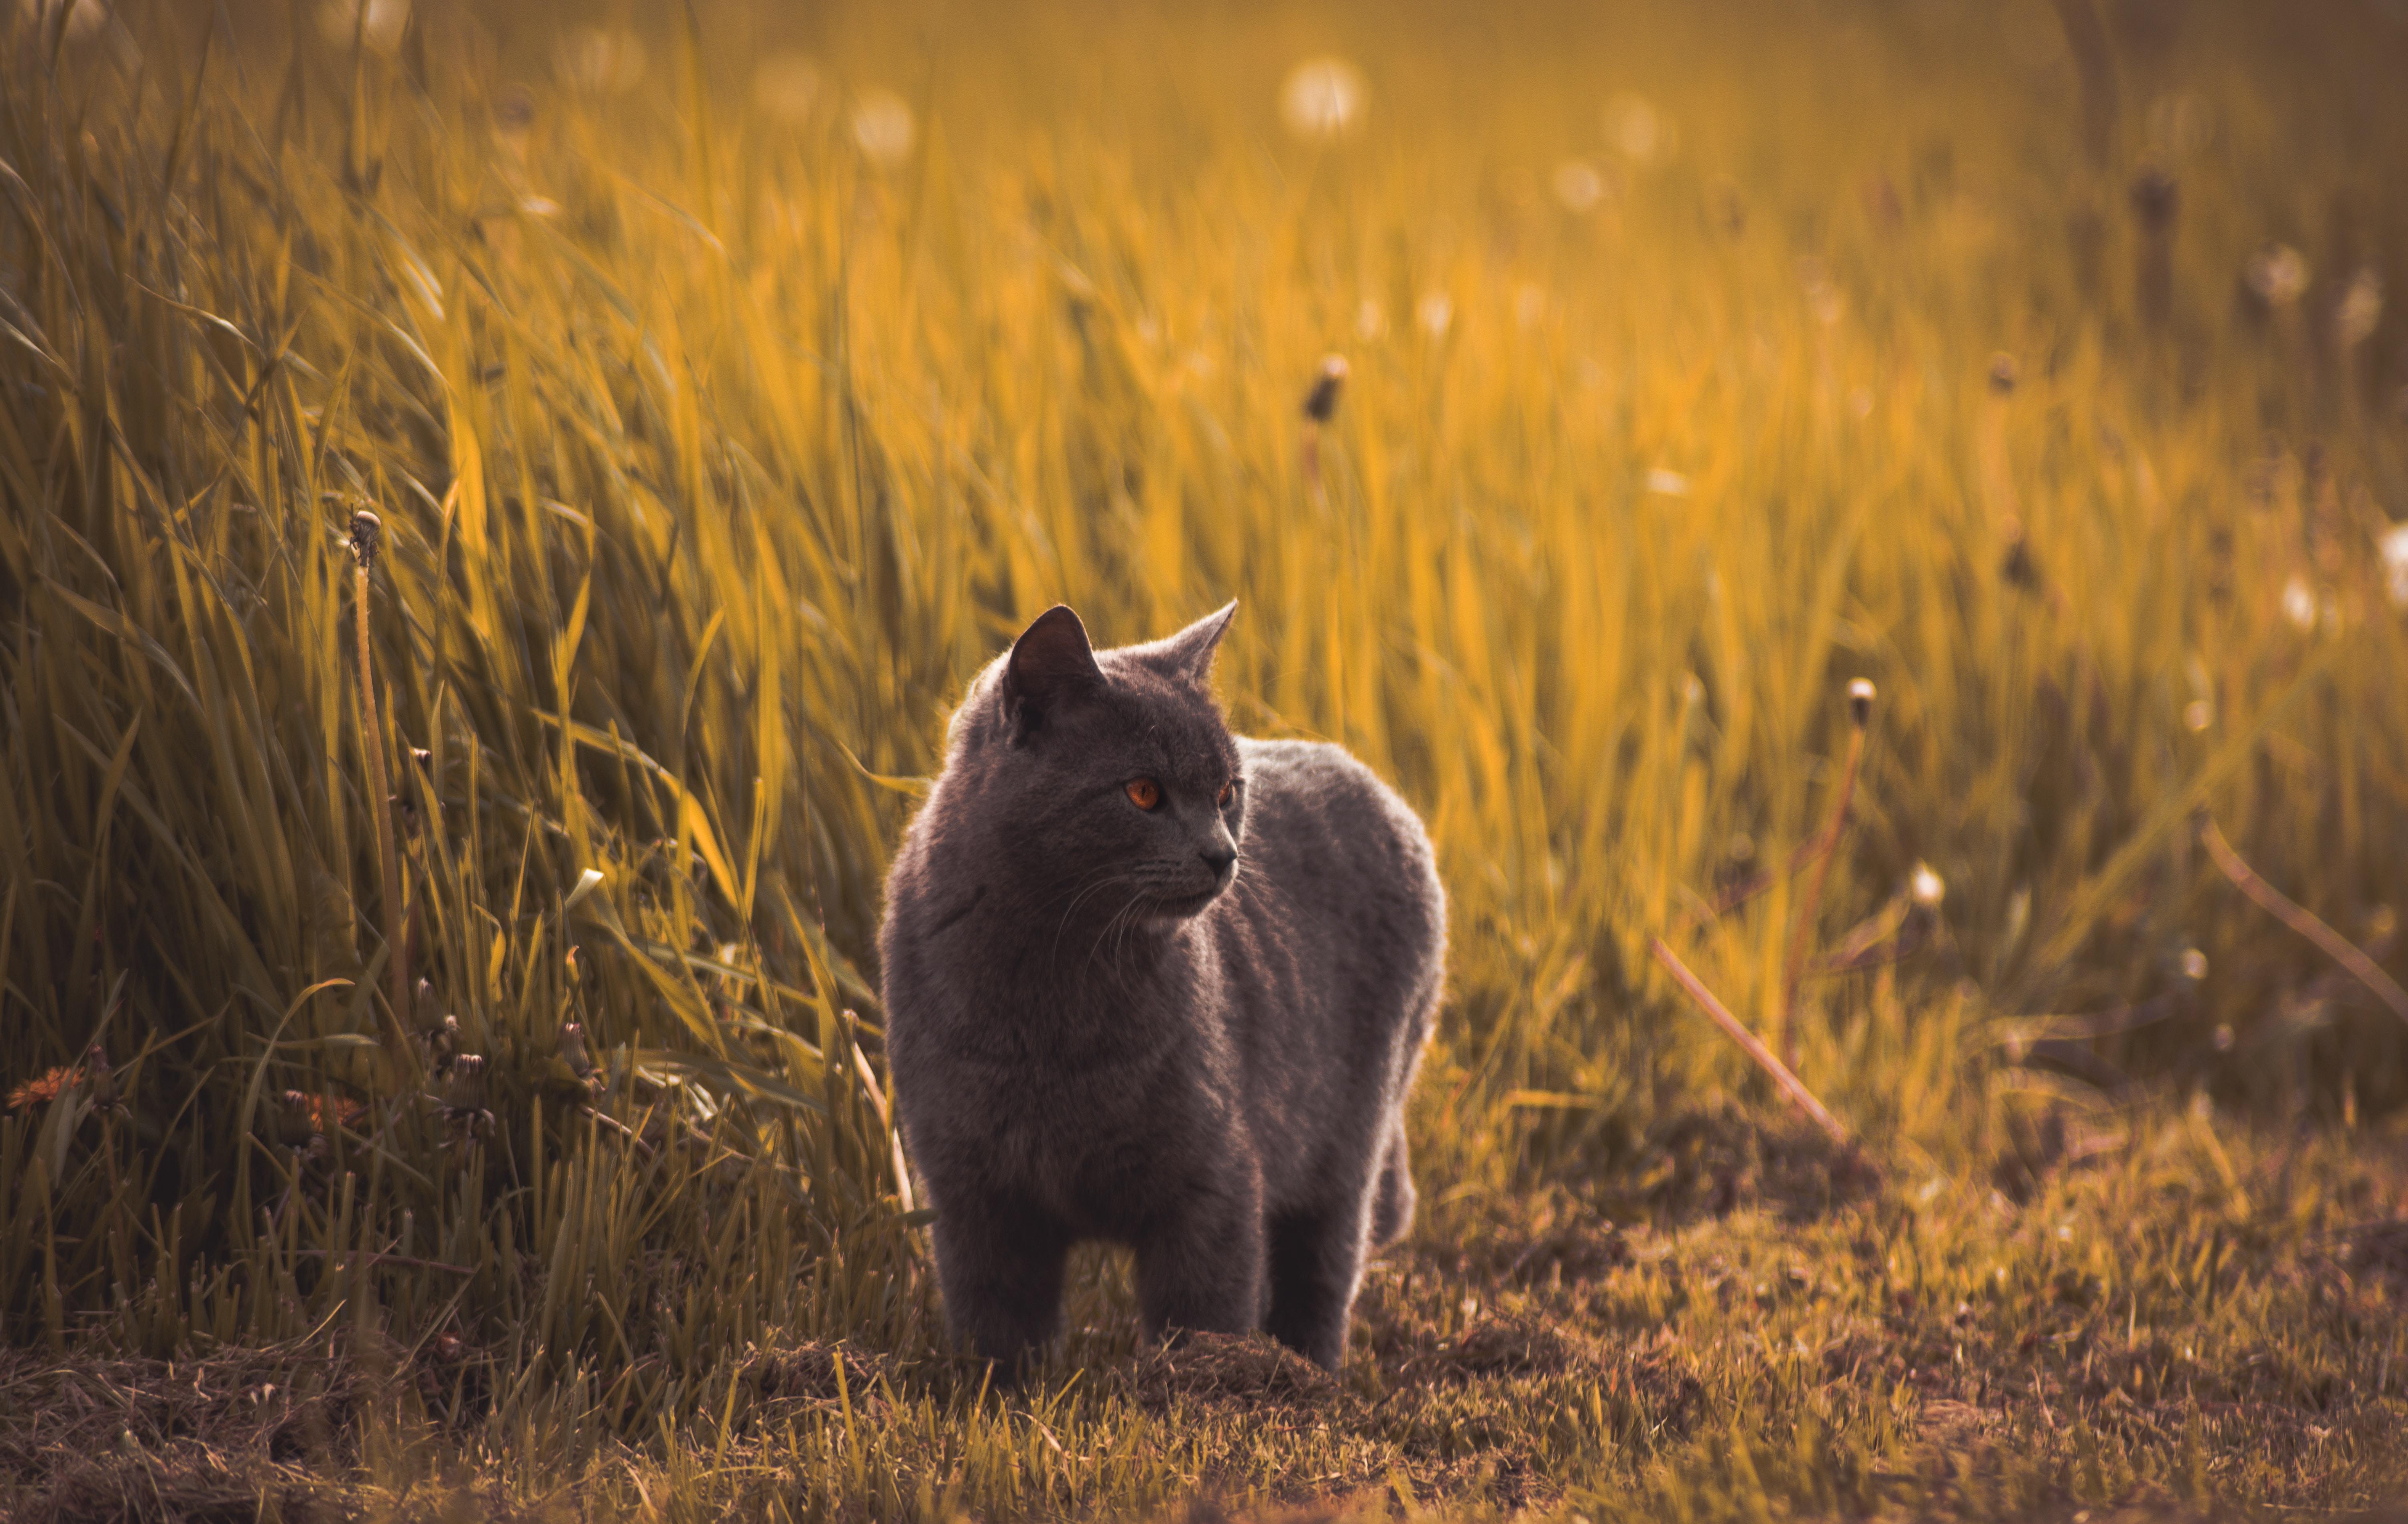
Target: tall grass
711, 454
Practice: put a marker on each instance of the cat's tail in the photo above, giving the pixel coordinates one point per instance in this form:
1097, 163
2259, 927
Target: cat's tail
1393, 1198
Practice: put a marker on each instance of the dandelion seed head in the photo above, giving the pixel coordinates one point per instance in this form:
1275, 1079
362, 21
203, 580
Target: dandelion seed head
786, 87
606, 61
84, 18
2393, 546
1860, 701
378, 24
1927, 888
1635, 129
2278, 274
2300, 603
1322, 98
2361, 309
1578, 186
882, 127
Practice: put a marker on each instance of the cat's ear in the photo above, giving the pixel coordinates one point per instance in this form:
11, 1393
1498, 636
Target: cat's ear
1189, 653
1050, 664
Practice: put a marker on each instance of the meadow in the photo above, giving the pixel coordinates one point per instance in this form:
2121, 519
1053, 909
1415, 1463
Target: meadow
500, 503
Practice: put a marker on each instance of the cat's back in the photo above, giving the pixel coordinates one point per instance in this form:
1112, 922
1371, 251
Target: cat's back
1327, 842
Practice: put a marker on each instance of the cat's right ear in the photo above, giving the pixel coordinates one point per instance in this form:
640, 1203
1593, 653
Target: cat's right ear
1050, 664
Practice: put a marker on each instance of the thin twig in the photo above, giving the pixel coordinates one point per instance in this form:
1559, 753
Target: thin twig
1861, 710
1765, 1060
2297, 919
1747, 888
387, 1259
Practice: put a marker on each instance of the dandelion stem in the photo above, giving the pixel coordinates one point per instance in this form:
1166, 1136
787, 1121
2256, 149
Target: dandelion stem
366, 531
1860, 707
2283, 908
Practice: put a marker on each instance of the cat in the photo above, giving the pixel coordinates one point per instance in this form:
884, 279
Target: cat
1153, 983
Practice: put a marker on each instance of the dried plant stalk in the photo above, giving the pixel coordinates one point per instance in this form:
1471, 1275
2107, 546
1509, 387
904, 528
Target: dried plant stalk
1765, 1059
2299, 919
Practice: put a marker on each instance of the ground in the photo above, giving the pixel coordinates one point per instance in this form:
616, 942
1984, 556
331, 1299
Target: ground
2167, 1316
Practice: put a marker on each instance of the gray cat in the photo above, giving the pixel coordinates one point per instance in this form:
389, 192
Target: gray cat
1150, 982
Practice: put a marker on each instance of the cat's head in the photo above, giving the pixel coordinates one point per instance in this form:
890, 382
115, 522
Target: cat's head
1108, 778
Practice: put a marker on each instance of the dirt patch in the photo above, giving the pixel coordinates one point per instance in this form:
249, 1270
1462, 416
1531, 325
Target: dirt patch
2376, 1253
814, 1372
1229, 1370
1502, 1347
1710, 1162
197, 1439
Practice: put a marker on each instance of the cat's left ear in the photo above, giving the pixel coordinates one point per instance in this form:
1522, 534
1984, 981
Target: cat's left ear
1189, 653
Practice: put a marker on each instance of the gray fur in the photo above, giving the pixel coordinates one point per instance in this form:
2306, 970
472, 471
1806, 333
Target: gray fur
1103, 1026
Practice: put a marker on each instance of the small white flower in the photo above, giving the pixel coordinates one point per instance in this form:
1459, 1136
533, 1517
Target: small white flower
882, 127
1578, 186
1435, 312
1927, 888
1322, 98
1668, 482
2194, 964
2394, 546
2300, 603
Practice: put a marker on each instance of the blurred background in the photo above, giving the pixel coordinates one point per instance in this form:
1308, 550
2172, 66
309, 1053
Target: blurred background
730, 381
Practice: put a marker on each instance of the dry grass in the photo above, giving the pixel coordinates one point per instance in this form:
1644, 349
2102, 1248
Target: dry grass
712, 443
2136, 1334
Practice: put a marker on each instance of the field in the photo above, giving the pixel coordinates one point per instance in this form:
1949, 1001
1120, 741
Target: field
498, 508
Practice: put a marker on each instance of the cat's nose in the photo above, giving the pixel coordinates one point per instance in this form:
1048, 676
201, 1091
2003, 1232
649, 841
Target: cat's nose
1219, 857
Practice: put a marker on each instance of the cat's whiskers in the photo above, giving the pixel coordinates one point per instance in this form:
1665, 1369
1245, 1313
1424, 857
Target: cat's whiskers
1111, 877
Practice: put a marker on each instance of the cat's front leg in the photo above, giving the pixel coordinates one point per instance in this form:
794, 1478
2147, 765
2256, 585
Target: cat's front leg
1316, 1261
1200, 1270
999, 1263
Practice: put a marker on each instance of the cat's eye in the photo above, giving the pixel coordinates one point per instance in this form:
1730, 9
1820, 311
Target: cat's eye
1228, 792
1144, 793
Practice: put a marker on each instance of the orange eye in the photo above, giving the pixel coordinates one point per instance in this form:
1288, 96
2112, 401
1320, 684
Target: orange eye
1228, 792
1144, 793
